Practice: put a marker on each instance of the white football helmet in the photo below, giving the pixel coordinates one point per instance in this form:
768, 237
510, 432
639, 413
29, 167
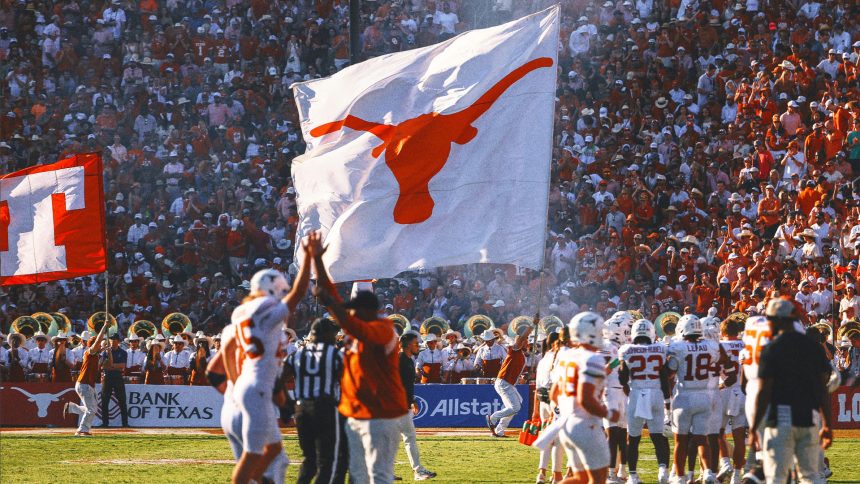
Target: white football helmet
643, 328
711, 328
587, 328
271, 283
617, 330
689, 325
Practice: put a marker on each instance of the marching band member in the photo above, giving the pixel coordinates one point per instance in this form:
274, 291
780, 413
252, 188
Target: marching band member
62, 360
199, 360
86, 385
136, 357
113, 362
178, 362
578, 379
449, 352
17, 359
155, 363
488, 358
78, 352
461, 366
259, 323
40, 359
429, 362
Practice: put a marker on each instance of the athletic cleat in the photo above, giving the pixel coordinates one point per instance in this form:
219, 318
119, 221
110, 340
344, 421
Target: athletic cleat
754, 476
725, 472
423, 474
633, 478
662, 475
540, 479
736, 477
613, 477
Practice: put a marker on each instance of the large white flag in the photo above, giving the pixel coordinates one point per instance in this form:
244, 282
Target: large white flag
435, 156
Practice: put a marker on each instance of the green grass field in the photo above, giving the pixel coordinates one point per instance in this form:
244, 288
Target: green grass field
194, 458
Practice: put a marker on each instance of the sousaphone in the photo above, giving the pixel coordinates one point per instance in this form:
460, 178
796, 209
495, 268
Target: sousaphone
519, 325
637, 314
847, 329
476, 325
142, 329
401, 323
435, 325
45, 321
664, 320
549, 324
25, 325
97, 320
175, 323
61, 324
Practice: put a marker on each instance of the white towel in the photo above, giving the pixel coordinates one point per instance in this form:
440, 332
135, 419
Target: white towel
549, 434
643, 406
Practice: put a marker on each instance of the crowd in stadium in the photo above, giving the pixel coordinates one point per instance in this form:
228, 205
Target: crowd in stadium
705, 152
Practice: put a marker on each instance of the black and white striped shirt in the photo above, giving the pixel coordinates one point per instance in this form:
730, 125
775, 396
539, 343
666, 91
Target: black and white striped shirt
317, 368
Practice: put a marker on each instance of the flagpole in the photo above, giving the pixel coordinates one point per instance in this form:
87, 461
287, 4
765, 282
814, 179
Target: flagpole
354, 38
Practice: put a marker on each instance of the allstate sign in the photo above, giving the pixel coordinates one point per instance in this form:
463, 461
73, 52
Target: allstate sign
462, 405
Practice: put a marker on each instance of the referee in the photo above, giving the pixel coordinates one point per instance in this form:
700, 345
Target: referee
793, 401
317, 368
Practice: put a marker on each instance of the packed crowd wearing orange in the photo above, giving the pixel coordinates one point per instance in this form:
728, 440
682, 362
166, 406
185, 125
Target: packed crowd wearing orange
704, 155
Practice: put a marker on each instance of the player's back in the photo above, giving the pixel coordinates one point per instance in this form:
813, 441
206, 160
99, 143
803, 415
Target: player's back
756, 335
733, 348
695, 363
644, 362
259, 329
573, 365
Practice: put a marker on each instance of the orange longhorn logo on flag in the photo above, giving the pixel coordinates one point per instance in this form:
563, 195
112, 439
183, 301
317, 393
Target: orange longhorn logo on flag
418, 148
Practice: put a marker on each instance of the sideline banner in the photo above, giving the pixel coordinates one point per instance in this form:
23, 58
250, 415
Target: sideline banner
845, 407
41, 405
463, 405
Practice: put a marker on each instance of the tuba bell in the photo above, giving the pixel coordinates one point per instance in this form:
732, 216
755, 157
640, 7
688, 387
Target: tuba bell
62, 324
45, 321
142, 329
548, 324
847, 329
664, 320
519, 325
95, 322
175, 323
476, 325
401, 323
25, 325
435, 325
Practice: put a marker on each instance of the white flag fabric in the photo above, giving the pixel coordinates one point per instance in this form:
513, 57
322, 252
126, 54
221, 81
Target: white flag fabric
432, 157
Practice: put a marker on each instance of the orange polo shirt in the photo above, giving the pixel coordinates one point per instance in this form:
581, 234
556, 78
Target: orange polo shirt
371, 386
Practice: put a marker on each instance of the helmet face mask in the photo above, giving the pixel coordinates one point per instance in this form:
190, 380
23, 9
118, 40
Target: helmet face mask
587, 328
270, 282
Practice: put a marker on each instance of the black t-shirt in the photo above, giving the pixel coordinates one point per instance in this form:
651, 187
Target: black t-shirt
796, 365
407, 376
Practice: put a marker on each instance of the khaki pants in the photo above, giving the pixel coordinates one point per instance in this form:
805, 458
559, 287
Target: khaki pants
786, 446
372, 446
87, 411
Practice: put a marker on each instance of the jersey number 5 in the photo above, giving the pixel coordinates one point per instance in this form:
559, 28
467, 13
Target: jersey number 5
253, 345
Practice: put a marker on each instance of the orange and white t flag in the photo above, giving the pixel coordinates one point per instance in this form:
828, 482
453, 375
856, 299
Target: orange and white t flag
435, 156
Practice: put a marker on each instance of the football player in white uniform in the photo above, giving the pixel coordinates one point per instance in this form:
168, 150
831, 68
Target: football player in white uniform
579, 378
733, 416
711, 332
757, 334
647, 388
615, 334
544, 409
259, 323
692, 360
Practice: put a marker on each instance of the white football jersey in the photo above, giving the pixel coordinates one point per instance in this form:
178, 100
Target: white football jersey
644, 363
733, 348
259, 327
573, 365
695, 364
756, 335
610, 353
